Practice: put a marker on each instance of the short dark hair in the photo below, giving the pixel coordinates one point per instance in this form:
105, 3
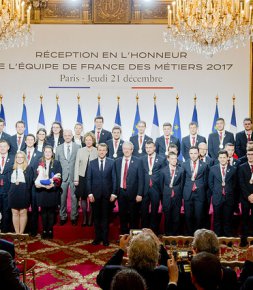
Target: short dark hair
220, 119
229, 144
2, 120
150, 142
99, 118
172, 145
167, 124
194, 147
19, 122
221, 152
103, 145
172, 154
193, 123
4, 141
30, 135
142, 122
206, 269
247, 119
117, 128
249, 150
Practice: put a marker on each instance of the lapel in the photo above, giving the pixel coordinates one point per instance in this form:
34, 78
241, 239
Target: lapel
131, 164
218, 173
6, 165
228, 173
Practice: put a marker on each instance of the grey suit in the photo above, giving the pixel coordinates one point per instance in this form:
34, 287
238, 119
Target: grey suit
68, 166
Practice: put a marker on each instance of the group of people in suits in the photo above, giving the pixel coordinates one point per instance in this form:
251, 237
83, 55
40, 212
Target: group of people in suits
100, 168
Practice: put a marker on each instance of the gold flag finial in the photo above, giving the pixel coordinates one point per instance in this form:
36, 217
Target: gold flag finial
57, 99
233, 98
41, 98
1, 99
217, 99
78, 98
154, 98
23, 98
195, 99
99, 98
137, 98
177, 98
118, 98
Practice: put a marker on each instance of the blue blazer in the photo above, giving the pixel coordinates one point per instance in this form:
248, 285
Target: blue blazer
134, 140
155, 177
34, 158
186, 144
201, 180
5, 137
244, 173
5, 176
160, 144
111, 149
14, 145
214, 142
134, 180
215, 184
101, 184
104, 135
240, 143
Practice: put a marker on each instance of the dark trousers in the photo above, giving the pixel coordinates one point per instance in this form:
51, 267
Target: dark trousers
194, 213
101, 211
247, 218
222, 215
34, 213
48, 218
6, 221
128, 212
172, 217
152, 197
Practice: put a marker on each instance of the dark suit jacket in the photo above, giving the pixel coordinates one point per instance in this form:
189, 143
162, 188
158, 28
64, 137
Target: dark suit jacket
247, 272
6, 174
155, 177
155, 280
209, 161
160, 144
101, 184
9, 274
214, 142
35, 157
134, 177
104, 135
50, 141
186, 144
134, 140
215, 184
243, 159
240, 143
14, 144
111, 149
244, 173
5, 137
8, 247
201, 180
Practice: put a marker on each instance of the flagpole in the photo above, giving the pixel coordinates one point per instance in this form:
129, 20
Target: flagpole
217, 99
195, 100
1, 99
78, 99
177, 98
118, 98
23, 98
41, 99
57, 99
233, 99
99, 98
154, 99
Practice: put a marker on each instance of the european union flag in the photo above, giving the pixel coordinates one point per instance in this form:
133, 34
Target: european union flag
137, 118
24, 119
58, 114
2, 114
216, 116
117, 117
41, 122
79, 118
195, 115
177, 127
233, 124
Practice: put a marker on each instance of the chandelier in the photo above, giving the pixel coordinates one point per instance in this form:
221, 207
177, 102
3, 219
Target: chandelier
209, 26
14, 31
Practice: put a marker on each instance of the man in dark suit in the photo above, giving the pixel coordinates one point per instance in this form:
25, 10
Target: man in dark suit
102, 135
139, 141
151, 164
172, 182
129, 188
194, 192
3, 135
243, 137
246, 184
115, 144
217, 140
101, 180
6, 169
33, 157
162, 143
17, 141
193, 139
222, 181
230, 148
244, 158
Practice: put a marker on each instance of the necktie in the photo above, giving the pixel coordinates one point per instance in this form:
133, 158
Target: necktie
101, 165
2, 169
172, 175
167, 141
29, 155
220, 136
251, 168
150, 165
3, 161
249, 137
141, 141
194, 187
125, 174
68, 152
193, 141
223, 179
98, 136
115, 144
19, 140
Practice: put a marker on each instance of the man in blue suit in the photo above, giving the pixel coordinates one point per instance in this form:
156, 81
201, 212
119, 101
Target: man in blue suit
222, 182
102, 135
3, 135
101, 179
217, 140
162, 143
139, 141
193, 139
194, 192
243, 137
17, 141
129, 188
152, 164
172, 182
115, 144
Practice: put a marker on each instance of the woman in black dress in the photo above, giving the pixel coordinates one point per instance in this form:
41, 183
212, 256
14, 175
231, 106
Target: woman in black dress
19, 193
48, 193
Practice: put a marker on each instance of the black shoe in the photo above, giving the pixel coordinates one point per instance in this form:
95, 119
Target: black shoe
50, 234
106, 243
63, 222
44, 235
74, 222
96, 242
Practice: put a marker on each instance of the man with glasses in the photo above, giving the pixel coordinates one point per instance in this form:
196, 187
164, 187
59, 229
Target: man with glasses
243, 137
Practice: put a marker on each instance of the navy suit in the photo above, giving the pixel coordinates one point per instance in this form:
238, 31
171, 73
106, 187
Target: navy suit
244, 173
214, 142
5, 182
134, 140
151, 192
127, 197
186, 144
14, 144
223, 204
5, 137
50, 141
111, 149
194, 201
104, 136
241, 143
161, 147
172, 202
100, 183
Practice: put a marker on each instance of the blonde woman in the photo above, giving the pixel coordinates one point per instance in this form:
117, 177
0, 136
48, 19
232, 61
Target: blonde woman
19, 193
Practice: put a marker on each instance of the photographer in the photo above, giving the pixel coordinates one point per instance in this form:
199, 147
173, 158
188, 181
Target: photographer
246, 276
144, 250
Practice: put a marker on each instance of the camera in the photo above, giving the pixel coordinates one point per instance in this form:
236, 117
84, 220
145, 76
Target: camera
183, 259
135, 232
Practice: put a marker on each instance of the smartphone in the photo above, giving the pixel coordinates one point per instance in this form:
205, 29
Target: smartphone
135, 232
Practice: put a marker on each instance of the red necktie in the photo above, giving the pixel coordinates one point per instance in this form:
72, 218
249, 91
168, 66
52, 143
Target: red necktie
193, 141
150, 164
141, 141
29, 155
125, 174
223, 174
98, 136
172, 174
19, 140
251, 168
220, 136
3, 161
167, 141
249, 137
116, 144
194, 187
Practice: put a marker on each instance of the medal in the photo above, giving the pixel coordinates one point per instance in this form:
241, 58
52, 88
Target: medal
150, 172
171, 186
140, 151
166, 153
193, 179
115, 155
223, 183
221, 146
